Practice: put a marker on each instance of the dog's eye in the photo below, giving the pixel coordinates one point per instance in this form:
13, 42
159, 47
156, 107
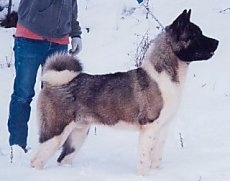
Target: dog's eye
196, 34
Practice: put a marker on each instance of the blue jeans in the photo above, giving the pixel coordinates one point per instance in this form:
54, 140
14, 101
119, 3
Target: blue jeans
29, 55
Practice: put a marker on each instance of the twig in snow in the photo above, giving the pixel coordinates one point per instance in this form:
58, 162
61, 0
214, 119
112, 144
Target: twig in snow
181, 141
142, 49
95, 131
224, 10
149, 12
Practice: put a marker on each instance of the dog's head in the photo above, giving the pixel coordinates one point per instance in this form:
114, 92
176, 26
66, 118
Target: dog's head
187, 40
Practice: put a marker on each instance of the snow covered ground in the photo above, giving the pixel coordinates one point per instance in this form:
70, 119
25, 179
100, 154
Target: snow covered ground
202, 123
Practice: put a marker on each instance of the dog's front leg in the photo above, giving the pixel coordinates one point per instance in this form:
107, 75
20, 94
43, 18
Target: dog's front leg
147, 141
156, 152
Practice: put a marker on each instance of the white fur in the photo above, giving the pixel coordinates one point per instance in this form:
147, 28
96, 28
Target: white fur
48, 148
126, 126
156, 152
151, 142
170, 91
59, 78
77, 138
152, 136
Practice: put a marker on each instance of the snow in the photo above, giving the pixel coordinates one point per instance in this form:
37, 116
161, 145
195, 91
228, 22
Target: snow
202, 123
4, 5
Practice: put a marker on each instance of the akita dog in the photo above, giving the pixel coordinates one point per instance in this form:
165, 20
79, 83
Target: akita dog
145, 98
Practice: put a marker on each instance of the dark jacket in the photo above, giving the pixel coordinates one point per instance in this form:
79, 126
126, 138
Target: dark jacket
50, 18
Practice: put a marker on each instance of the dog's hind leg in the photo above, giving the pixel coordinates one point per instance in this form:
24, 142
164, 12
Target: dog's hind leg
48, 148
73, 144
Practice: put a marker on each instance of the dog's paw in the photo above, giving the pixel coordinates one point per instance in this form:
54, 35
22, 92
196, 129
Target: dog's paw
142, 169
142, 172
36, 163
155, 164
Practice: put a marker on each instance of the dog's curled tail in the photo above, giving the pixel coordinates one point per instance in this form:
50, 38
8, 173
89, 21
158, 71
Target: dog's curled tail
60, 69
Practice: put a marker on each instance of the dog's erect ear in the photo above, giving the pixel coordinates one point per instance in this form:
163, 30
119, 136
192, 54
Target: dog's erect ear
189, 14
183, 18
180, 22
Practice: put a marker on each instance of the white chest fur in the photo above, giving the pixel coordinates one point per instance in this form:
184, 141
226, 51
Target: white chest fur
170, 90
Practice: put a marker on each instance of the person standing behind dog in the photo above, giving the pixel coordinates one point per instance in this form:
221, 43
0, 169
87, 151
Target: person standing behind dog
43, 29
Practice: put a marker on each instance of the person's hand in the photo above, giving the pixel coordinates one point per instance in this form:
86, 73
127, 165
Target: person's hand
76, 44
